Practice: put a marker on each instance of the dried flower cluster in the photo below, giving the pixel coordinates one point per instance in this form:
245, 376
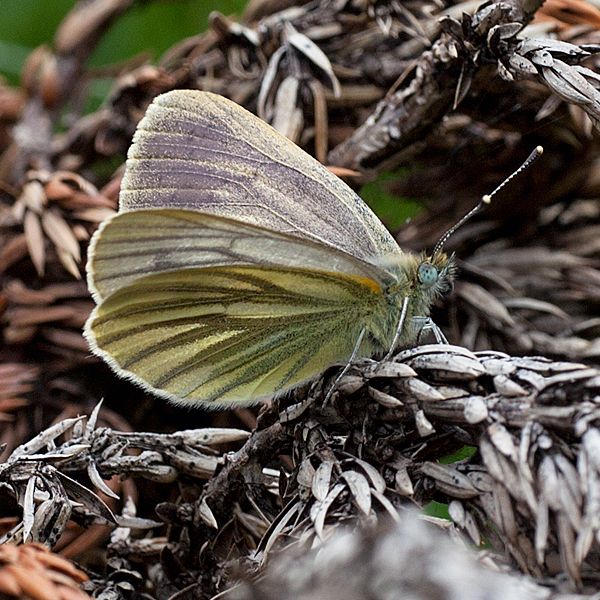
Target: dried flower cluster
529, 486
362, 85
32, 572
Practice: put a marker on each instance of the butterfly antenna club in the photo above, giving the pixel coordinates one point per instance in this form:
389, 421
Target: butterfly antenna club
485, 200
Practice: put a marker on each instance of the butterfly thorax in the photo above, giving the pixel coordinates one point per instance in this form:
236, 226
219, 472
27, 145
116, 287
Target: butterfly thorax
422, 278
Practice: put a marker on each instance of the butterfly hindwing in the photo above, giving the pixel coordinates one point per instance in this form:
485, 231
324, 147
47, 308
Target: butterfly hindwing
230, 335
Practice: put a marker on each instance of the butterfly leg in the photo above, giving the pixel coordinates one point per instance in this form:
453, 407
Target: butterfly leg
401, 321
427, 324
345, 369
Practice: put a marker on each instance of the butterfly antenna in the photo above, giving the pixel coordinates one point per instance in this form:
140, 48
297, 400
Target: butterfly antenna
485, 200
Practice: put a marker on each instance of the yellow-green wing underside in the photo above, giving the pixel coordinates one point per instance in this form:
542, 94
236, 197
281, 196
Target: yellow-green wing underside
230, 335
200, 151
139, 243
203, 309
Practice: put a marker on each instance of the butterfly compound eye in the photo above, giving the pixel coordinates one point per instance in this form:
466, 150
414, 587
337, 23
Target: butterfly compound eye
428, 274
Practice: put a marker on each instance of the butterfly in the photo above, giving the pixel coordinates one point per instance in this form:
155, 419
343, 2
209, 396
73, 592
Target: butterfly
239, 267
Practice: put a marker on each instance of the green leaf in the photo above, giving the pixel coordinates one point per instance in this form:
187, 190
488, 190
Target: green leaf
461, 454
391, 209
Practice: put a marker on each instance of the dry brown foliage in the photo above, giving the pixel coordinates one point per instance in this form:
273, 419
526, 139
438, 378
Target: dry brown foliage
449, 91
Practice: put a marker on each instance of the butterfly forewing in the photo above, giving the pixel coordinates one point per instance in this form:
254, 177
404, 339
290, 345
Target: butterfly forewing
139, 243
231, 335
199, 150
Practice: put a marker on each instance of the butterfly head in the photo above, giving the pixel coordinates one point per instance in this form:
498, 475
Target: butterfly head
423, 277
436, 273
431, 277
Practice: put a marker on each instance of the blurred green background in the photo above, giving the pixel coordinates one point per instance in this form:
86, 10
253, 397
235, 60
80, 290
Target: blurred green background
147, 26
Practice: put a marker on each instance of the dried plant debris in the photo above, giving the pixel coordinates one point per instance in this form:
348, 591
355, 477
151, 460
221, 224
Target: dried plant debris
59, 308
54, 214
540, 298
16, 381
512, 409
40, 473
563, 13
32, 572
58, 207
527, 486
310, 70
403, 560
556, 63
